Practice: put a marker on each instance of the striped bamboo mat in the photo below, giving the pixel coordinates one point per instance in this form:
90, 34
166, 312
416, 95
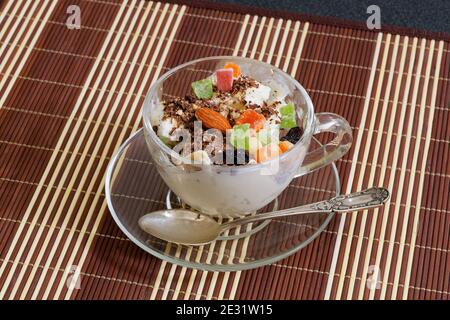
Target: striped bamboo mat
70, 97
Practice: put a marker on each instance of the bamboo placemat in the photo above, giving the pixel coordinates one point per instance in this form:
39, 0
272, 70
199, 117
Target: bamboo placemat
70, 97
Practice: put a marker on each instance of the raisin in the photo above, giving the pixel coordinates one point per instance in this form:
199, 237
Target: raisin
293, 135
189, 98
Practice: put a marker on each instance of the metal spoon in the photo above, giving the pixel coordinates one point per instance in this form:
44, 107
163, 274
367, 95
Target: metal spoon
193, 228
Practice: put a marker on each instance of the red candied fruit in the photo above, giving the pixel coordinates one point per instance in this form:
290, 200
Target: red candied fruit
224, 79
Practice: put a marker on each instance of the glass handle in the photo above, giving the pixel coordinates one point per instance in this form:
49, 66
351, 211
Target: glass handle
333, 150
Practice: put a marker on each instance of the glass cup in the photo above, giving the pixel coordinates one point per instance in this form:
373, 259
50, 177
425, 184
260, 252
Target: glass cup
234, 191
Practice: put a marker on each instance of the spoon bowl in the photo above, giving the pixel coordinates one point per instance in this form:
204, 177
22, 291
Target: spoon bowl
181, 226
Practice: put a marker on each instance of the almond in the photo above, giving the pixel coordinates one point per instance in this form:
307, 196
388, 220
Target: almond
212, 119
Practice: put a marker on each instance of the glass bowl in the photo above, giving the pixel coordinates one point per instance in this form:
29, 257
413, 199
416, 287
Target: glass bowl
134, 187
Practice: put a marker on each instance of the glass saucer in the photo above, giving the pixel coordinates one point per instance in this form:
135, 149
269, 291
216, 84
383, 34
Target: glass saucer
133, 188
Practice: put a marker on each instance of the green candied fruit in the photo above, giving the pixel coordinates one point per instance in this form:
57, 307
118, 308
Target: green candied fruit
287, 113
240, 136
203, 89
166, 141
267, 135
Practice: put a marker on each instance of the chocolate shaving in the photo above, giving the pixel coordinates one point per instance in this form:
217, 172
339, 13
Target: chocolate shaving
181, 109
243, 83
267, 110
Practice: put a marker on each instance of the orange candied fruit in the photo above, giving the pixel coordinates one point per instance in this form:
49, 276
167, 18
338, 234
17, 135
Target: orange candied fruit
255, 119
269, 151
235, 67
285, 146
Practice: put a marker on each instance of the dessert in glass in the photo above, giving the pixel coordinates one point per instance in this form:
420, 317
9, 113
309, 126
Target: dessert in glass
228, 134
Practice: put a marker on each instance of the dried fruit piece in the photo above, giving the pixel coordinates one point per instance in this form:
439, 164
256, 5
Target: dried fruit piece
235, 67
224, 79
285, 146
268, 152
166, 141
268, 135
255, 119
203, 89
240, 136
212, 119
287, 113
200, 157
253, 146
293, 135
238, 105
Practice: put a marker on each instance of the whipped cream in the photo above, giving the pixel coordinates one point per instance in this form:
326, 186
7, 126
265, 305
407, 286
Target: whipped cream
257, 95
166, 128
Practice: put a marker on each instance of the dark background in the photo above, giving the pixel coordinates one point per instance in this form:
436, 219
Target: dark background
431, 15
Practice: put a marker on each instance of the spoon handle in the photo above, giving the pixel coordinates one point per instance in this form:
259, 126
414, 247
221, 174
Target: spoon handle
369, 198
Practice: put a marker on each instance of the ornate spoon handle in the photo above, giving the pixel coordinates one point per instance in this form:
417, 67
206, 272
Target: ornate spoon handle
369, 198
